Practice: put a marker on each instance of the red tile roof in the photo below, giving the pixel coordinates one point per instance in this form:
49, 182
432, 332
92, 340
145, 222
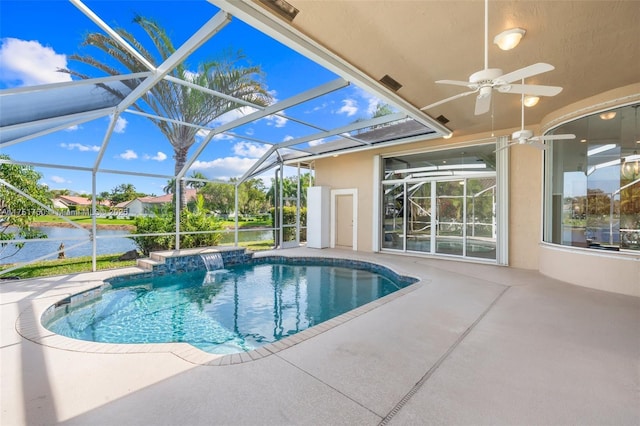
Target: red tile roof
70, 200
167, 198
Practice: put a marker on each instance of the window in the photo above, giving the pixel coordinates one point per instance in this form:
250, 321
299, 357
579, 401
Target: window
592, 183
441, 203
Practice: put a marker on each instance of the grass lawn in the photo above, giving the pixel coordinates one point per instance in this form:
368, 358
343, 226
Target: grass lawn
80, 220
72, 265
101, 220
76, 265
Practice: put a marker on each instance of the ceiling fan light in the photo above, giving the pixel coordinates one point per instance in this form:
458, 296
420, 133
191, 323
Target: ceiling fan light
530, 101
509, 39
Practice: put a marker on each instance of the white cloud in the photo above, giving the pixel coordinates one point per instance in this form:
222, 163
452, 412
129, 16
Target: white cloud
288, 138
224, 168
28, 63
318, 108
317, 142
129, 154
58, 179
233, 115
251, 150
80, 147
276, 120
372, 106
121, 124
274, 95
160, 156
349, 107
249, 132
203, 133
223, 137
372, 101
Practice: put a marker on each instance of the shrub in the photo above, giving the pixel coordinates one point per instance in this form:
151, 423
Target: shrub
165, 223
289, 218
152, 225
198, 221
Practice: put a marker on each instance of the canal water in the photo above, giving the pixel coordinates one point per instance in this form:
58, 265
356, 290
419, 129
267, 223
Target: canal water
109, 242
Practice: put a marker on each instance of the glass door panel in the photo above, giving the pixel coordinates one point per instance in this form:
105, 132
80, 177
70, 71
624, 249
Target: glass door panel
419, 217
481, 218
450, 217
393, 224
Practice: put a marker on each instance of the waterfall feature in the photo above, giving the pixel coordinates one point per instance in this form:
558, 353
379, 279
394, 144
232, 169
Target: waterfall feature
212, 261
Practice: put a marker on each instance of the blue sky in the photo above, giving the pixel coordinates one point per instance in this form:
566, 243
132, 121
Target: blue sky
37, 37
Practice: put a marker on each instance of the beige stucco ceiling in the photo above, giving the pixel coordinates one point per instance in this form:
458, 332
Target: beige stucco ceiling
593, 45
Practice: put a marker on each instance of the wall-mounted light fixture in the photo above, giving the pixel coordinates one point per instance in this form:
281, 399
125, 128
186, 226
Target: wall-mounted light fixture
530, 101
608, 115
509, 39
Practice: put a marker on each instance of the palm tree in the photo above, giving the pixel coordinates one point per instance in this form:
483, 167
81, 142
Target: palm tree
175, 101
197, 184
169, 188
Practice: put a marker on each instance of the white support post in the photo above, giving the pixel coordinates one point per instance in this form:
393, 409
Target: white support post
94, 225
281, 202
298, 209
236, 217
177, 192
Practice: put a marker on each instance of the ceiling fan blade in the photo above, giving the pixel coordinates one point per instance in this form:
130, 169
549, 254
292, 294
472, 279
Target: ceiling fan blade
483, 103
509, 145
526, 72
456, 83
556, 137
530, 89
538, 145
459, 95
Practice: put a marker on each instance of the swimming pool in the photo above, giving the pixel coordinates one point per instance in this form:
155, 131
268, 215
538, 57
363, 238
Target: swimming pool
231, 310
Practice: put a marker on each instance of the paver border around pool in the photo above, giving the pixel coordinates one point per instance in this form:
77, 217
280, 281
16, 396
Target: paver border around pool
29, 322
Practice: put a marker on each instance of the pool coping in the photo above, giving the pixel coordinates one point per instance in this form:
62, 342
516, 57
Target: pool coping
29, 326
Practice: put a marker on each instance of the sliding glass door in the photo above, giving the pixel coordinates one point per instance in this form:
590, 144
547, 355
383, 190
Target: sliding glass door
443, 206
450, 217
419, 217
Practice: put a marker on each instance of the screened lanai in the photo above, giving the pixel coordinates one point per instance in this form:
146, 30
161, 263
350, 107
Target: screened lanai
286, 133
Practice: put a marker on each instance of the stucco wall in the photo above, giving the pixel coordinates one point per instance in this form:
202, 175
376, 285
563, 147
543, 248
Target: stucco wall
355, 170
525, 206
591, 268
352, 171
619, 274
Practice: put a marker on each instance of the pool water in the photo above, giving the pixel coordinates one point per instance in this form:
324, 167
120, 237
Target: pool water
225, 311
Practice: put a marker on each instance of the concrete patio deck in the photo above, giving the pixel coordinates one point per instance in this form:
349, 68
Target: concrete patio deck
470, 344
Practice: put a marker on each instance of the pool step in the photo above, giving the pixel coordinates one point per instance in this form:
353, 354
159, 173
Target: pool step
148, 264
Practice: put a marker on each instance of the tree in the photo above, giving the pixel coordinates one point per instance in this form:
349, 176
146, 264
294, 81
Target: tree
175, 101
57, 192
197, 184
196, 221
251, 196
17, 212
382, 110
170, 187
290, 188
124, 192
219, 197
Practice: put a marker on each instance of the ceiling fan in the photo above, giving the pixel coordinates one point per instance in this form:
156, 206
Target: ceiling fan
523, 136
485, 81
